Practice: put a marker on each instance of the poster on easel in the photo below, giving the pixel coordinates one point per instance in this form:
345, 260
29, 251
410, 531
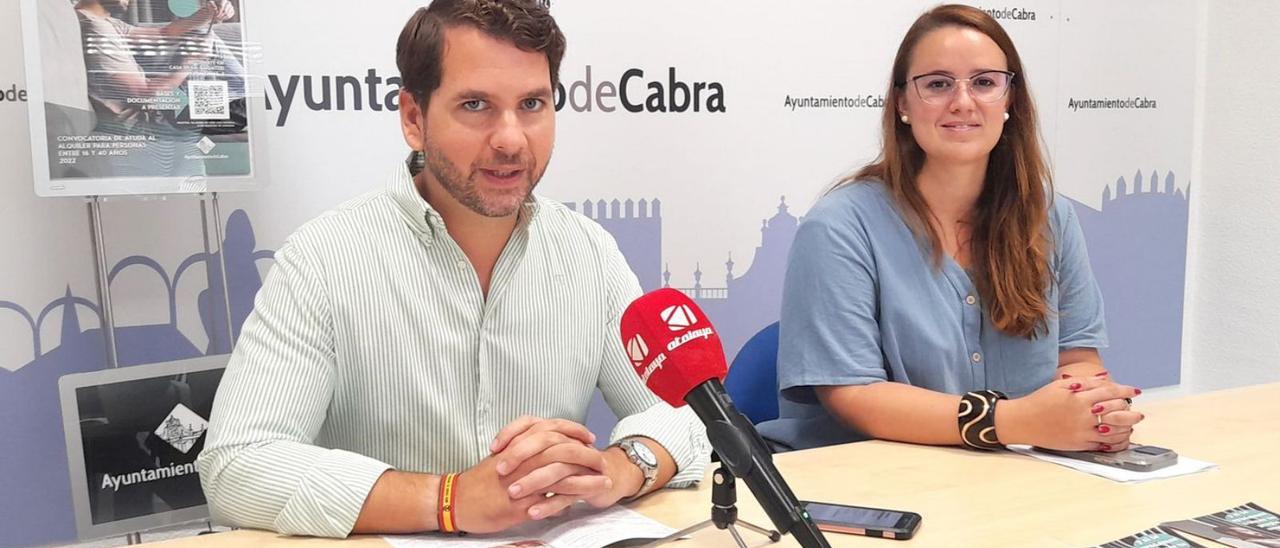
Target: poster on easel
141, 97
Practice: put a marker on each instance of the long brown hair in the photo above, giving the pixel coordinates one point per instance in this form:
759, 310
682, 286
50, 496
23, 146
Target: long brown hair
1010, 245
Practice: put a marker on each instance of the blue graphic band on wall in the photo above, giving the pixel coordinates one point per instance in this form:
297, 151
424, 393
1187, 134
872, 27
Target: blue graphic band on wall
1136, 241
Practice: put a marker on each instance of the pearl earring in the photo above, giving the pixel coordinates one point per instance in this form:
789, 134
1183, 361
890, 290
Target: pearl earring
1006, 116
905, 120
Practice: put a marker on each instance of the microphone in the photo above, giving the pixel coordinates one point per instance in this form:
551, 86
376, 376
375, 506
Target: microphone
678, 355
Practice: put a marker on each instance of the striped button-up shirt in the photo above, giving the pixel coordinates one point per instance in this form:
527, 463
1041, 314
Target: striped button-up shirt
371, 346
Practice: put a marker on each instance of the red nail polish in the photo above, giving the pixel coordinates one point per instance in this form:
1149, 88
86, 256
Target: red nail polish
1097, 409
1105, 447
1104, 429
1137, 391
1074, 386
1102, 374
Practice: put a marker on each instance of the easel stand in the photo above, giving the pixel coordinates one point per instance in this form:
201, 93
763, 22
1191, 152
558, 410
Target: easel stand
103, 275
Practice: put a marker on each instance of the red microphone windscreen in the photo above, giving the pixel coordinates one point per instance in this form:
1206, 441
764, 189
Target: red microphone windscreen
671, 344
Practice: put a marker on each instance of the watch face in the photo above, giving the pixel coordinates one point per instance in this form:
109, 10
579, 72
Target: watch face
645, 455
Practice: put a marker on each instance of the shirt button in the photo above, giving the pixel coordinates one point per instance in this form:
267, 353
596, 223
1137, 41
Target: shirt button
977, 357
970, 300
462, 264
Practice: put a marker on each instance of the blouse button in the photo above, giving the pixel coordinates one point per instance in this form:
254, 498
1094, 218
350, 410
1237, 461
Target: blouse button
970, 300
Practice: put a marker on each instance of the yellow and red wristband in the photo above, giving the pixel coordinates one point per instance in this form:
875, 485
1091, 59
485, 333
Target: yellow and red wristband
446, 505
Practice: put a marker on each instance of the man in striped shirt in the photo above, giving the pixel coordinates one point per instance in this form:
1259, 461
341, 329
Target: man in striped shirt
421, 330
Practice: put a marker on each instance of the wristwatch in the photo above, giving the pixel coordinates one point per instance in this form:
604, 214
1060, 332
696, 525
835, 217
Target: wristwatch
640, 455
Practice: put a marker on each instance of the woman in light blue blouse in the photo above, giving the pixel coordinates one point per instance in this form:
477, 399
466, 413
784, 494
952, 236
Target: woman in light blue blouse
942, 295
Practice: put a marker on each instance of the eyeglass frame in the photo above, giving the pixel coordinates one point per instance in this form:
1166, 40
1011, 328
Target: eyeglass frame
915, 84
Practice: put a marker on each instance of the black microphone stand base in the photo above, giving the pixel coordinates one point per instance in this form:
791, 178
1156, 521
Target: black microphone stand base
724, 514
774, 536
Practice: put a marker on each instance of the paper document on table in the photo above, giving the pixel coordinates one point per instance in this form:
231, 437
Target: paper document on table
1245, 526
1184, 466
580, 526
1155, 537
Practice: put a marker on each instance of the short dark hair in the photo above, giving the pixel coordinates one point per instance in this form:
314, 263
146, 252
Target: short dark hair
527, 24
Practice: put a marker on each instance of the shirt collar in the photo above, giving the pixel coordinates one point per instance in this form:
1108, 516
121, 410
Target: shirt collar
424, 219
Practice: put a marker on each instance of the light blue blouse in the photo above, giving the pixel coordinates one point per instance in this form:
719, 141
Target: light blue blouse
863, 303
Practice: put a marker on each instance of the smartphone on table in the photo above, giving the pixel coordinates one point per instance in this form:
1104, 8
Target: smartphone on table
1138, 458
859, 520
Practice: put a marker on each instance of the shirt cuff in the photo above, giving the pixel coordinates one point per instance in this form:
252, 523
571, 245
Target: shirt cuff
1098, 342
679, 432
330, 495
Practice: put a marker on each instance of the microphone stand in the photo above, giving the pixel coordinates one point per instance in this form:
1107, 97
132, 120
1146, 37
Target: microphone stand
724, 513
747, 456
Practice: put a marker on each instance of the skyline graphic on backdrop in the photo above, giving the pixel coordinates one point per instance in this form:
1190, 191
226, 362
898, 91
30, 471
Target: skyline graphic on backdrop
1136, 241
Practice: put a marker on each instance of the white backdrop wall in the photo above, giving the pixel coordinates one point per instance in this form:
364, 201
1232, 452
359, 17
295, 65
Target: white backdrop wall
732, 177
1233, 302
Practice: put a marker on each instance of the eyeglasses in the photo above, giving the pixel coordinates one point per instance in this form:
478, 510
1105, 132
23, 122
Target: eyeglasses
989, 86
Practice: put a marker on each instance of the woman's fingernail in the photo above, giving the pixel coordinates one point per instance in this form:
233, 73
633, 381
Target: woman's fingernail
1073, 386
502, 468
1104, 429
1137, 391
1104, 447
1097, 409
514, 490
535, 512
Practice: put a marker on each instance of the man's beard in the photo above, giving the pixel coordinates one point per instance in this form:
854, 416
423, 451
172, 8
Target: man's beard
465, 191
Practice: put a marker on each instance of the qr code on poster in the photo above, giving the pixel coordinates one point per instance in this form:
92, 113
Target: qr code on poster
208, 100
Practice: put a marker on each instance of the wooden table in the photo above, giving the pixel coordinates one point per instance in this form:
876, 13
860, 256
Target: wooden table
993, 499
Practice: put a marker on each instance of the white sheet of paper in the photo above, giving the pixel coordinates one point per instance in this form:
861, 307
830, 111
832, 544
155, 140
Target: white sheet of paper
1185, 465
582, 525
